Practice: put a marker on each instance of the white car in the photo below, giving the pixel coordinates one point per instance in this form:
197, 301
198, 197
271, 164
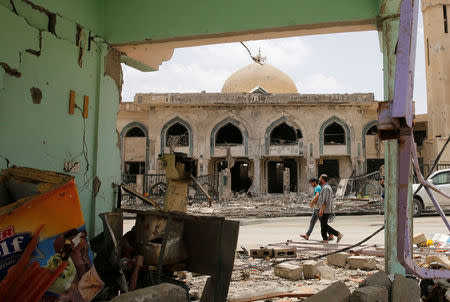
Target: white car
421, 200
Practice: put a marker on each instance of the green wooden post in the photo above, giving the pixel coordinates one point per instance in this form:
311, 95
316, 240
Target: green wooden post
389, 38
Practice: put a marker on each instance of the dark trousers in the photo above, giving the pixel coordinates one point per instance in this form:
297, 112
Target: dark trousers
325, 228
312, 222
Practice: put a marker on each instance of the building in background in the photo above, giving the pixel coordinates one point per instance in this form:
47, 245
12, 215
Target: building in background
437, 60
272, 131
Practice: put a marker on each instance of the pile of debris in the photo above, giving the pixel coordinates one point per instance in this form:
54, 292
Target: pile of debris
340, 277
432, 253
282, 205
278, 272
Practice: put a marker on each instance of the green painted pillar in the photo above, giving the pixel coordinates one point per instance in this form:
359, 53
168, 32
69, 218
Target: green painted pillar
389, 32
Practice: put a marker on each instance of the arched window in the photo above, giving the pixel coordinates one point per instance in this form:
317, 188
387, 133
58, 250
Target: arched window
372, 130
135, 132
284, 134
177, 134
334, 134
229, 134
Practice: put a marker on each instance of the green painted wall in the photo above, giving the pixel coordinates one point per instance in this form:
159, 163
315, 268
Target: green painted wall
88, 13
45, 135
139, 20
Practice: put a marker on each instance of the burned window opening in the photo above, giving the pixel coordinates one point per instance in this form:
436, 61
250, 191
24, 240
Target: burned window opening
329, 167
134, 168
284, 134
240, 180
179, 133
135, 132
229, 135
372, 130
334, 134
419, 137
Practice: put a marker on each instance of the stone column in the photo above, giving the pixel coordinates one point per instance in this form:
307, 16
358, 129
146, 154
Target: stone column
225, 193
256, 181
140, 183
311, 170
286, 181
139, 186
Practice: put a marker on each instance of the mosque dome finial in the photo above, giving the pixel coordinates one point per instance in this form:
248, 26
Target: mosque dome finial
259, 74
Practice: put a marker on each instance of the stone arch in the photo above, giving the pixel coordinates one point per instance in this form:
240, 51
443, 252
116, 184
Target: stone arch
363, 138
147, 142
275, 124
185, 124
228, 120
344, 125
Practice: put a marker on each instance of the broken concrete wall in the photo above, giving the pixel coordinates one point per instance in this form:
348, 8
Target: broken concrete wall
45, 55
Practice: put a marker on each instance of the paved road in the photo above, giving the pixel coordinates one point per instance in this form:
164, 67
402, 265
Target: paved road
257, 232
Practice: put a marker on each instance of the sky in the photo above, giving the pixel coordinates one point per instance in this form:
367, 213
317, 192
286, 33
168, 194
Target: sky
333, 63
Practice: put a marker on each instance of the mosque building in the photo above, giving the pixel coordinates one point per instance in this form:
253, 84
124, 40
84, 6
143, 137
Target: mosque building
276, 135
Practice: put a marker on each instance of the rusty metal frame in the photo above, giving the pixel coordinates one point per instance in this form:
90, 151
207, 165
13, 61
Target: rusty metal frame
399, 114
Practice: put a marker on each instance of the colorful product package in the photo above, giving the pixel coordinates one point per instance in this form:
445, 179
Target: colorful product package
30, 198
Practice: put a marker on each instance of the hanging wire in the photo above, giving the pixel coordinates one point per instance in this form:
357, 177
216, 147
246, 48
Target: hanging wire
256, 59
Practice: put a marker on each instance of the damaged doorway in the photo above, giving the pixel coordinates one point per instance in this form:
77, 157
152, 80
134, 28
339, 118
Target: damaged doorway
240, 174
276, 175
330, 167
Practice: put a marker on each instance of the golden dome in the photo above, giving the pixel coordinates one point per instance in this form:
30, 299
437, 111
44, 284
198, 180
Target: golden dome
256, 75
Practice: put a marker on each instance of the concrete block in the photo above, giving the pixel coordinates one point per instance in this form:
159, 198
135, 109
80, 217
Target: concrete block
419, 238
438, 261
326, 272
370, 294
288, 271
310, 270
405, 289
379, 279
285, 253
164, 292
336, 292
339, 259
362, 262
261, 253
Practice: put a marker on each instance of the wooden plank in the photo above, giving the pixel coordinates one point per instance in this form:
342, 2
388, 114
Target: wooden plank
72, 102
86, 106
140, 196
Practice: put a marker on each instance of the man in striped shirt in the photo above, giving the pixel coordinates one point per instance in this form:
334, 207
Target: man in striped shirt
326, 209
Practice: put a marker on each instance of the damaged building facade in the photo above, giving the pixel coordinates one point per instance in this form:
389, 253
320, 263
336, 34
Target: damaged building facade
278, 138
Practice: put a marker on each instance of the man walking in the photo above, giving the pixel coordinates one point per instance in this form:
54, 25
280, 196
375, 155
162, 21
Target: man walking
326, 209
315, 206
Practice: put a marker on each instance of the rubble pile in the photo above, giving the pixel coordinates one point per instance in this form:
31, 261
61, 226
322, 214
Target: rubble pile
269, 206
281, 205
253, 275
338, 277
